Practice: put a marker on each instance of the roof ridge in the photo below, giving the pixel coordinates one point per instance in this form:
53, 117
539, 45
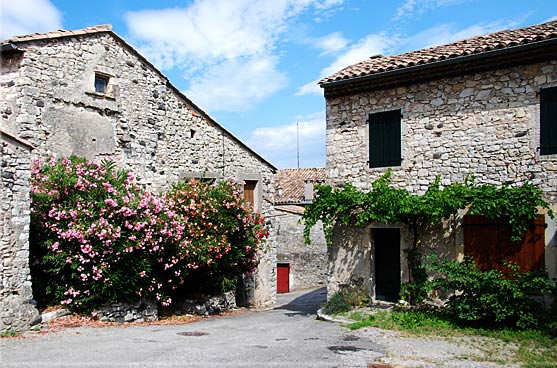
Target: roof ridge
61, 33
472, 45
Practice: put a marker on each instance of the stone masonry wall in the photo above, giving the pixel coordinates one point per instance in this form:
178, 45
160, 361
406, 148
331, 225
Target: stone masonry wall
485, 124
308, 262
17, 308
141, 122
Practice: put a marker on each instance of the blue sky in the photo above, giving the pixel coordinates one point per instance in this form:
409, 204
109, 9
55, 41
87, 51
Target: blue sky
253, 64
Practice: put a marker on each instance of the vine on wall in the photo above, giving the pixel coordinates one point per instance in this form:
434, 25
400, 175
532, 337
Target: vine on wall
387, 204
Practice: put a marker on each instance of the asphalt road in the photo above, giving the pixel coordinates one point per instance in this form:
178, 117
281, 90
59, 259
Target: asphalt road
286, 336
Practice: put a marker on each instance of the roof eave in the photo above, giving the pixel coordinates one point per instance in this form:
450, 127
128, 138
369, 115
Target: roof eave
374, 78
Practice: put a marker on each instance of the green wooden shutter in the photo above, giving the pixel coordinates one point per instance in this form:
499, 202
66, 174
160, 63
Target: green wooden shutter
384, 139
548, 121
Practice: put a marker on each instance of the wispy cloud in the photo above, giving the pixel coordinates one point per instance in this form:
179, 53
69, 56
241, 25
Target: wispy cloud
278, 144
446, 33
330, 43
416, 7
358, 51
222, 46
26, 17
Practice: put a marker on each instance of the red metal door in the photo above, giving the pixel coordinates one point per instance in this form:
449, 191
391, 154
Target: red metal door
283, 278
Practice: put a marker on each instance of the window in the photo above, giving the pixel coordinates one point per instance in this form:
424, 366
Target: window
384, 139
101, 83
548, 121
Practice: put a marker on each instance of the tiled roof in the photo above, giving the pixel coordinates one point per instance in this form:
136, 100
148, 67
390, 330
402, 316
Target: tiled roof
470, 46
62, 33
290, 183
298, 210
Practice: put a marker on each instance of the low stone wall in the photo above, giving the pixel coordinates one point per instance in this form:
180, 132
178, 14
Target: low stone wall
142, 311
212, 305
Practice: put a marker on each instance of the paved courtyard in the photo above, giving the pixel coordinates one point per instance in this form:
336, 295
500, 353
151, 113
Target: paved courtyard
286, 336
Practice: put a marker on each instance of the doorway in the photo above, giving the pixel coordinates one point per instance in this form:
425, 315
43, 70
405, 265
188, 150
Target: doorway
283, 278
387, 264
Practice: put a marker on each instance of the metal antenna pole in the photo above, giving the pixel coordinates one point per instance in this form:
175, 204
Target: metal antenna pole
298, 143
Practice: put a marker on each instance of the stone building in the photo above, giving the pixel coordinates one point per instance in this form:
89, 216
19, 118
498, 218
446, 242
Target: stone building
483, 106
17, 308
299, 265
89, 93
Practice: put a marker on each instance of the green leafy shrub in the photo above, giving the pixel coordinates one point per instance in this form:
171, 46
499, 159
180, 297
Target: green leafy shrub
490, 297
345, 300
97, 237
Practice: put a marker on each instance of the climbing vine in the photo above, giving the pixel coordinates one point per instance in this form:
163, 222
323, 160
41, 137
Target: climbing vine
387, 204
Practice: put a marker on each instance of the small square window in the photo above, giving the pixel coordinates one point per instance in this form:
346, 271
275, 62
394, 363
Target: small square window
101, 84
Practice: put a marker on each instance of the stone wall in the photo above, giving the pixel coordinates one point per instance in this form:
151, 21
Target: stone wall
142, 122
485, 124
17, 308
352, 261
308, 262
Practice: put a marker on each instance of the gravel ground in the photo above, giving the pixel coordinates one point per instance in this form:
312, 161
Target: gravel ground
461, 352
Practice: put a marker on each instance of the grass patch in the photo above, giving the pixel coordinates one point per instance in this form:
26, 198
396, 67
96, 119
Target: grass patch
9, 333
534, 348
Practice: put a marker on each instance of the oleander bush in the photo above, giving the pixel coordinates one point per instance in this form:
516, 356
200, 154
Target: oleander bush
98, 237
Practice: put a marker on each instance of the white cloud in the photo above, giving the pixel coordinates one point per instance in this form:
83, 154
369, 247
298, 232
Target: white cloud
330, 43
416, 7
371, 45
209, 36
278, 144
227, 86
26, 17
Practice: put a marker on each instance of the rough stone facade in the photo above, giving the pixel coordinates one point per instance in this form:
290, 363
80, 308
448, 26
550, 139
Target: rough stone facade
484, 124
17, 308
308, 262
141, 121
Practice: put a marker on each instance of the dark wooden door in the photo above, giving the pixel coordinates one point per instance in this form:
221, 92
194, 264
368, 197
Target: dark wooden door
283, 278
387, 264
488, 242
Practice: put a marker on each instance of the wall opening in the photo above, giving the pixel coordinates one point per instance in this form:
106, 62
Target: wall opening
387, 263
283, 278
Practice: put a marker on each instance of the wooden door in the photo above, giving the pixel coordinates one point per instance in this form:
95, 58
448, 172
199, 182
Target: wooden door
283, 278
488, 243
387, 264
249, 191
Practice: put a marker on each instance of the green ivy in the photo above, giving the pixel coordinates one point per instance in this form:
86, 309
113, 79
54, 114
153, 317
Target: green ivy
387, 204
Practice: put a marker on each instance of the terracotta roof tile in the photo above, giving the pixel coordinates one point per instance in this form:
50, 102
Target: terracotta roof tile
298, 210
61, 33
469, 46
290, 183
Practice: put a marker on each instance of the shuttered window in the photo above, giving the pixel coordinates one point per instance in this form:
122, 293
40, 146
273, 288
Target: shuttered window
384, 139
548, 121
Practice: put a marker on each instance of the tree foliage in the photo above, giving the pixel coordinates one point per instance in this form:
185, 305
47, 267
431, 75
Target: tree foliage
387, 204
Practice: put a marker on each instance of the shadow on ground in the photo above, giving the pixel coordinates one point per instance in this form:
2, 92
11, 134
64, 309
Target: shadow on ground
306, 304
